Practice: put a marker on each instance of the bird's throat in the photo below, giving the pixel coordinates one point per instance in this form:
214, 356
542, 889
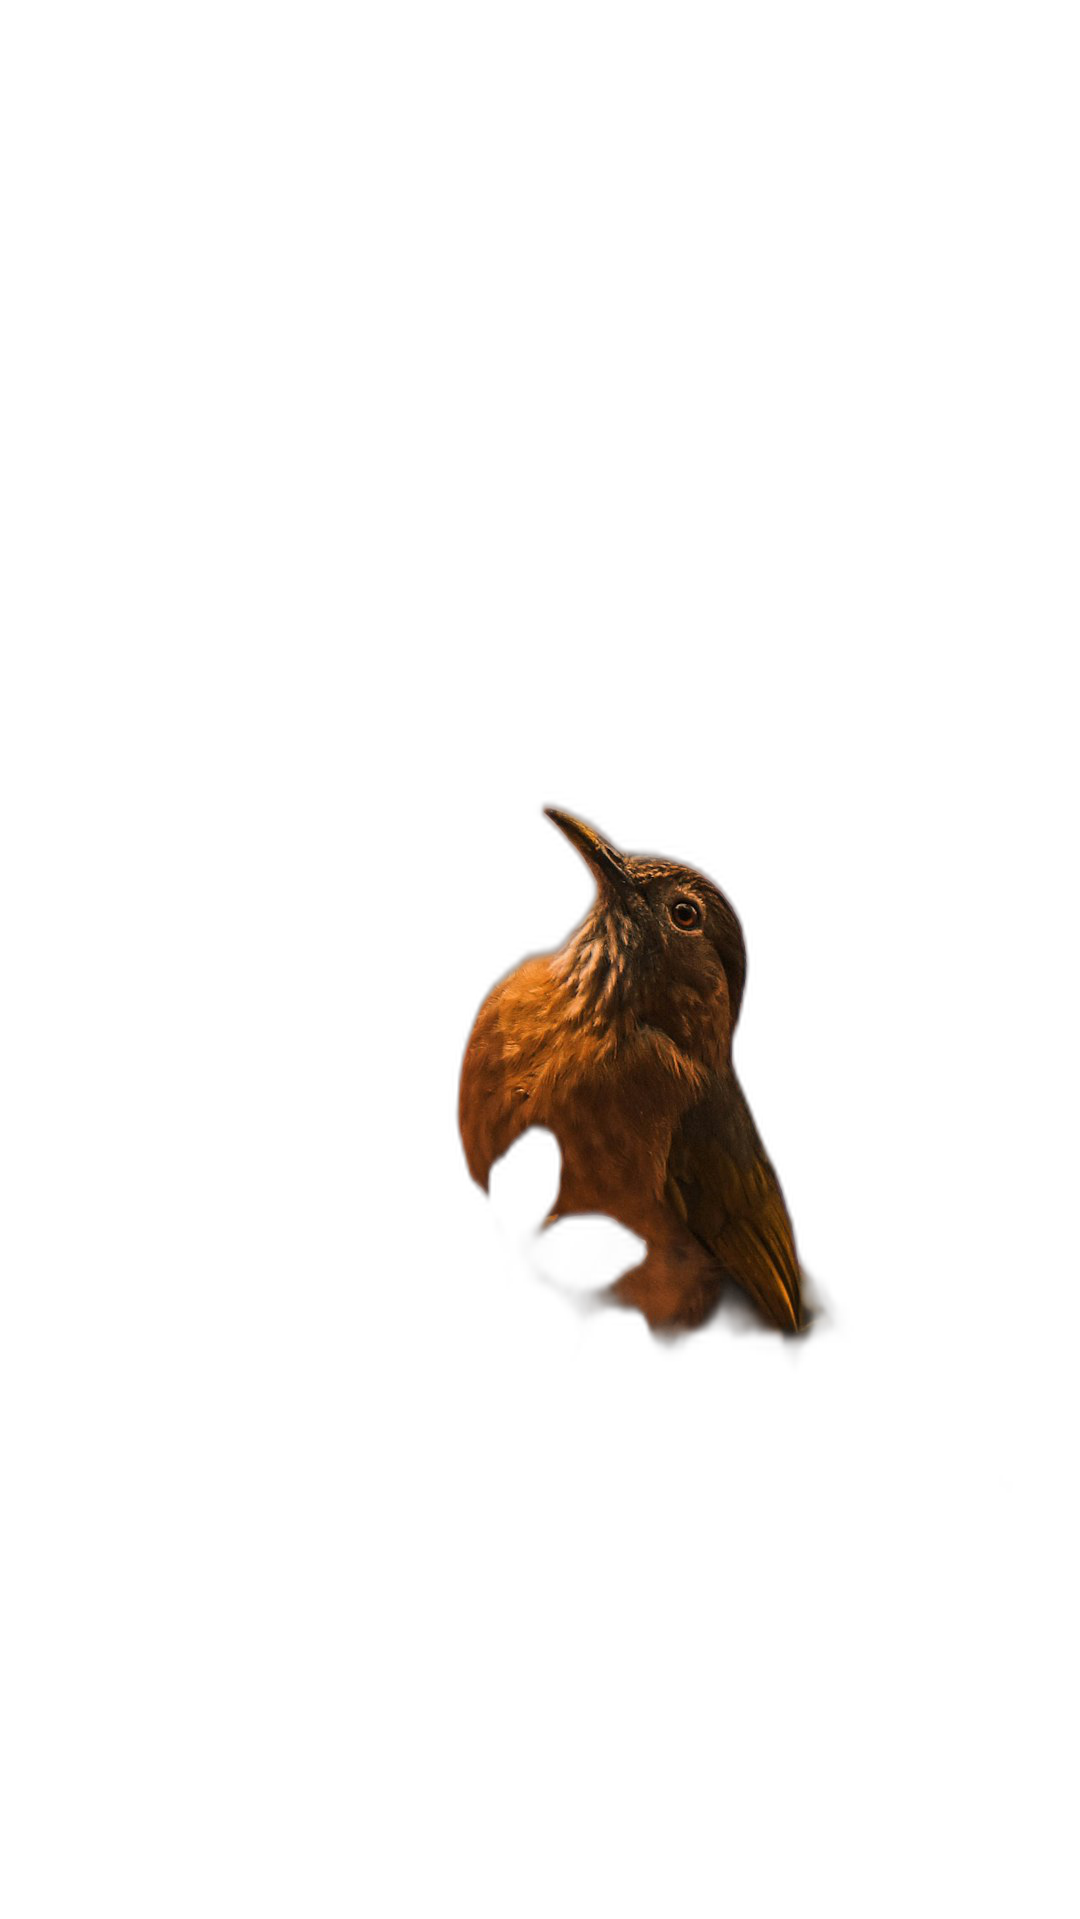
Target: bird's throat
595, 972
611, 982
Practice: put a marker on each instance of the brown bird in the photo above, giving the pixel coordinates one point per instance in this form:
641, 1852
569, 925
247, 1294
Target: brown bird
620, 1043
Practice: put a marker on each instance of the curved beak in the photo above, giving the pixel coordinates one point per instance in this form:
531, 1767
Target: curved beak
605, 860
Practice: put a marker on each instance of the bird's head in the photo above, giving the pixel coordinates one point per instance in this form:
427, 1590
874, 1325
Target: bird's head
661, 942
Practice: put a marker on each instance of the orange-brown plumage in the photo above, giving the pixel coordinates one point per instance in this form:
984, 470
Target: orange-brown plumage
620, 1043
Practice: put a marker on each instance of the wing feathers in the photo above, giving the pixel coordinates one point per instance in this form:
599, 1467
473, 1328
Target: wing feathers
720, 1180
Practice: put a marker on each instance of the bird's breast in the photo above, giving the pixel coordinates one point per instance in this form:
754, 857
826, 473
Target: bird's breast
614, 1156
610, 1091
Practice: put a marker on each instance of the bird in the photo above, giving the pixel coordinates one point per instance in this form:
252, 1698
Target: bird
620, 1043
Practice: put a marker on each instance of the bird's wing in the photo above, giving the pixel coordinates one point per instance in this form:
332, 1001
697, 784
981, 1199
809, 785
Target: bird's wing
721, 1182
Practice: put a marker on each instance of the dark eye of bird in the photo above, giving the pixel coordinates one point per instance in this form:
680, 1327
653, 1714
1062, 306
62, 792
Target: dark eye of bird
685, 913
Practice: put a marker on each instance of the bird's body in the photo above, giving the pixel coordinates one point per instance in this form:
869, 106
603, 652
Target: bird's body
620, 1043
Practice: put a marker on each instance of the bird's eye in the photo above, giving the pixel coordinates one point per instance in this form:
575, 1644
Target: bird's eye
686, 913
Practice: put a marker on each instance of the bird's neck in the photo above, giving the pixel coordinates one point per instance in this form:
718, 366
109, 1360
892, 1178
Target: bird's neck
592, 973
608, 983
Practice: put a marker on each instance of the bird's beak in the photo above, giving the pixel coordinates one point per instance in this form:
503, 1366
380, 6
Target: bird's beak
606, 861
